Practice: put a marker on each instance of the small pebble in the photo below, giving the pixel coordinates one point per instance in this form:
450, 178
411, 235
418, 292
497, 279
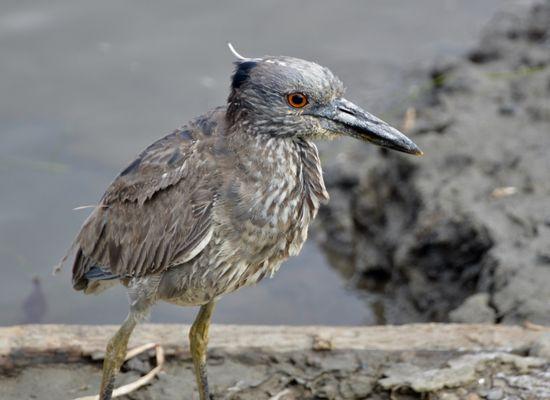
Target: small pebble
495, 394
321, 344
312, 361
135, 364
449, 396
507, 109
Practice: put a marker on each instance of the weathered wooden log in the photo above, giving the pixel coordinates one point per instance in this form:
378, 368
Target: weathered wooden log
35, 344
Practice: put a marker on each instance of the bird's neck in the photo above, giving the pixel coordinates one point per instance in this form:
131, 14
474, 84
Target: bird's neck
267, 160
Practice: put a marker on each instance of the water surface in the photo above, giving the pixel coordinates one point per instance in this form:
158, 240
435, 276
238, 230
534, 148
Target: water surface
85, 85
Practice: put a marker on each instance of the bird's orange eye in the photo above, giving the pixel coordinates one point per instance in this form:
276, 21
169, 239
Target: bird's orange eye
297, 100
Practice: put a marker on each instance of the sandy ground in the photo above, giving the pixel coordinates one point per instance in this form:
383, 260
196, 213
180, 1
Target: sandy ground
463, 233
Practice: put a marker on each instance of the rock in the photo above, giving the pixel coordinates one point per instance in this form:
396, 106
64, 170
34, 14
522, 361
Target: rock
507, 109
458, 372
541, 347
426, 380
138, 365
321, 344
325, 387
357, 387
449, 396
495, 394
475, 309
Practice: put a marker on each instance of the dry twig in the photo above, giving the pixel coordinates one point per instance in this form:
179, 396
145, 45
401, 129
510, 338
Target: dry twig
144, 380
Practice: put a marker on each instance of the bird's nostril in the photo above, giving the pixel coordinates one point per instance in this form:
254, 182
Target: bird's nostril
346, 111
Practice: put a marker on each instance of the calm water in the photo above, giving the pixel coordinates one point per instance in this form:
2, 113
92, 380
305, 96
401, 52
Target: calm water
85, 85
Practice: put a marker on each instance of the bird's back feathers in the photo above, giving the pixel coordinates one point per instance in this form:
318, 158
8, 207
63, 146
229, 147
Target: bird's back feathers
129, 234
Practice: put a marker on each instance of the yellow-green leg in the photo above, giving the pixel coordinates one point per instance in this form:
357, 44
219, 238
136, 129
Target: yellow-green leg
198, 337
114, 357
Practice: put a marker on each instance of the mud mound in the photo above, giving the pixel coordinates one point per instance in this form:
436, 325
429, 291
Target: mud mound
463, 233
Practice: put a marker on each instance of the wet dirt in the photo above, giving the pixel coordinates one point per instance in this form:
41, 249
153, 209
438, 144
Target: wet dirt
255, 375
463, 233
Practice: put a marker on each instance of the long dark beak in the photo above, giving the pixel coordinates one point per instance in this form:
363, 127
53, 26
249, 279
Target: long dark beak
349, 119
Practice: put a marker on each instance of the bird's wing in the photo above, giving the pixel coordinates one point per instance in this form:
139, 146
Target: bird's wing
155, 214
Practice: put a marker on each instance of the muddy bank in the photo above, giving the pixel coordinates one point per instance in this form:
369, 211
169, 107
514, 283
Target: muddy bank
258, 362
463, 233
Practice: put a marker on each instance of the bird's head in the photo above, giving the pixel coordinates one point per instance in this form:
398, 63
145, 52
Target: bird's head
290, 97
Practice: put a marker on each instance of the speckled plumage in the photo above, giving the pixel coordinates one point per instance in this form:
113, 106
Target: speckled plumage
202, 212
220, 203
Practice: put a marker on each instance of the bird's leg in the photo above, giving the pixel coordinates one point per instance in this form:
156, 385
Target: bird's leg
198, 337
114, 356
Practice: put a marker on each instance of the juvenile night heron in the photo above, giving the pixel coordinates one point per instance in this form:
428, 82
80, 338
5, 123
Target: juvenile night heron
220, 203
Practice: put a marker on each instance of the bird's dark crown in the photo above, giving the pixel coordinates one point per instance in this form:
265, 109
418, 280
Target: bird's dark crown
260, 88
